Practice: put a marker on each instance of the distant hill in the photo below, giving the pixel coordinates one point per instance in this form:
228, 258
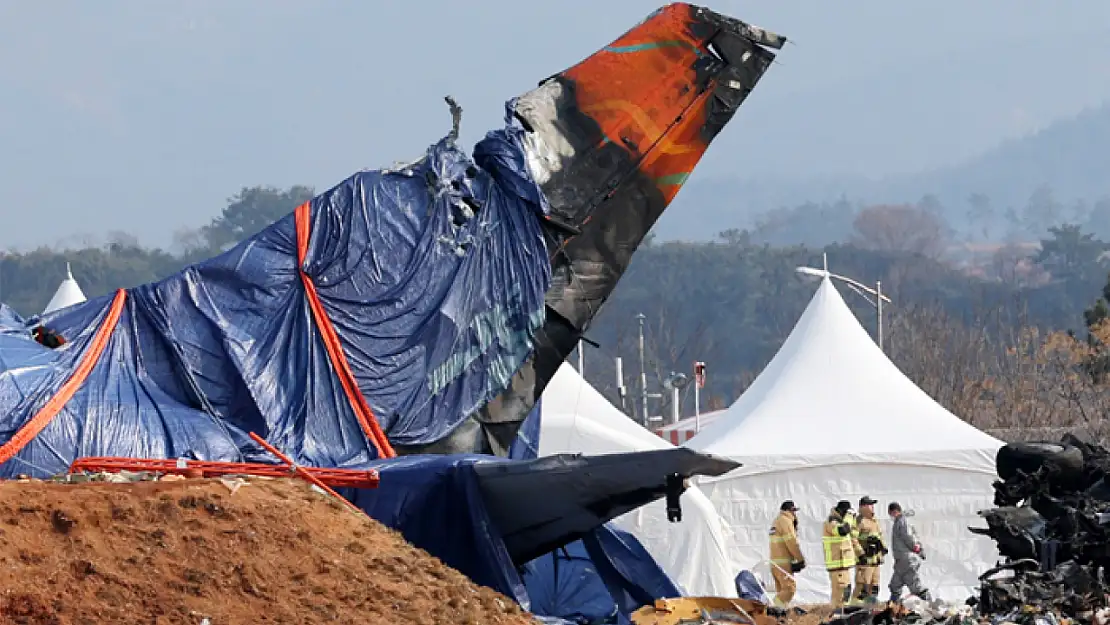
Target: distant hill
1065, 161
1070, 157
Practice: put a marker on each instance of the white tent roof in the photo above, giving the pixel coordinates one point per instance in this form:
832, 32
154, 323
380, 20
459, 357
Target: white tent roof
69, 293
832, 418
828, 383
576, 418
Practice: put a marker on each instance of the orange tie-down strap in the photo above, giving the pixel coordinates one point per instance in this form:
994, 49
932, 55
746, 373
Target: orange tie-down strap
332, 344
51, 409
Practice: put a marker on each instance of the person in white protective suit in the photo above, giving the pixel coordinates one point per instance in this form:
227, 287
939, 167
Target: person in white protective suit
908, 556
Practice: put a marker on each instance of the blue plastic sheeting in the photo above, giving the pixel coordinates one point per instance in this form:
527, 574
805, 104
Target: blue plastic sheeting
526, 444
602, 578
436, 503
565, 584
9, 319
633, 577
432, 275
748, 587
439, 503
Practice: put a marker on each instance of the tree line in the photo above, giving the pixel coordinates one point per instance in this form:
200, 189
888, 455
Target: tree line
28, 280
978, 220
985, 336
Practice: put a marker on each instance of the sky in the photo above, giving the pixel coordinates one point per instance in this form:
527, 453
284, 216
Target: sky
144, 117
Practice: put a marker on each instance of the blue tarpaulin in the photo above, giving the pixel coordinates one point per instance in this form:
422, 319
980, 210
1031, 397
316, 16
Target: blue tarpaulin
748, 587
526, 445
10, 321
565, 584
436, 503
431, 275
398, 304
602, 578
392, 307
440, 504
633, 577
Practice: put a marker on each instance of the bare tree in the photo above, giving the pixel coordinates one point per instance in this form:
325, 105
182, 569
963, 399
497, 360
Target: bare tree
1000, 374
1012, 264
980, 213
188, 241
901, 228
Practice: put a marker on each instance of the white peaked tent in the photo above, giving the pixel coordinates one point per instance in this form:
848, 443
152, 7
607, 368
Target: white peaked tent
831, 418
576, 418
69, 293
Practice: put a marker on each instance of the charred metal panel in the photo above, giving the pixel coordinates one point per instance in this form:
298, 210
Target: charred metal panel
611, 141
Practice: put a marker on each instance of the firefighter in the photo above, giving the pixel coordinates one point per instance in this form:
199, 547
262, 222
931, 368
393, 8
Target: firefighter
786, 555
869, 535
853, 522
841, 550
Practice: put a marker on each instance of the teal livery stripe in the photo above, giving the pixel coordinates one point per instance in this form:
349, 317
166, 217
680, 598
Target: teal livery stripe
640, 47
672, 179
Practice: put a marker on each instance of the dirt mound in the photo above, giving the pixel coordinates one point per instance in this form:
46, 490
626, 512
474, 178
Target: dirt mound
270, 551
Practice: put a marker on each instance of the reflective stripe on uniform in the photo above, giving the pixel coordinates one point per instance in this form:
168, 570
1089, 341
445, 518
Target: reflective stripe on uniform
838, 552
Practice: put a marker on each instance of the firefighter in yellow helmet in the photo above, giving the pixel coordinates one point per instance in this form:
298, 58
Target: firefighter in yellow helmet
870, 537
841, 550
786, 556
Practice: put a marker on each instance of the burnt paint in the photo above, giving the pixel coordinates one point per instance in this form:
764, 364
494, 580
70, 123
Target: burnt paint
605, 195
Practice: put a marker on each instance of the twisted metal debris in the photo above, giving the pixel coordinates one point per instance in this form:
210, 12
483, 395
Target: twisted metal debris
1051, 524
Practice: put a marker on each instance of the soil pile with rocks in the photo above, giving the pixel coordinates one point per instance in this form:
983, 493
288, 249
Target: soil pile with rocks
218, 552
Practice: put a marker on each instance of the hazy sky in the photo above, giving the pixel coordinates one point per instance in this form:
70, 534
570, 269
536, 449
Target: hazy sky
144, 116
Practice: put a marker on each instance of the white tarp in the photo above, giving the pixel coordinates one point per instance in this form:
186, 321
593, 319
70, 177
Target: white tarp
69, 293
576, 418
831, 418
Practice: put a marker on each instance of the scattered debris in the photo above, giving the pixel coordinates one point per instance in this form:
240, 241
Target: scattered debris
1051, 525
703, 610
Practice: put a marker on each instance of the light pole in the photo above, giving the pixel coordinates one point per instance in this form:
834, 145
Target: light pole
621, 390
699, 382
643, 374
676, 382
860, 288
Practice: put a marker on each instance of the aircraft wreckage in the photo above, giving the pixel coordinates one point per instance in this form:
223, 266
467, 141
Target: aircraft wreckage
418, 309
1051, 525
